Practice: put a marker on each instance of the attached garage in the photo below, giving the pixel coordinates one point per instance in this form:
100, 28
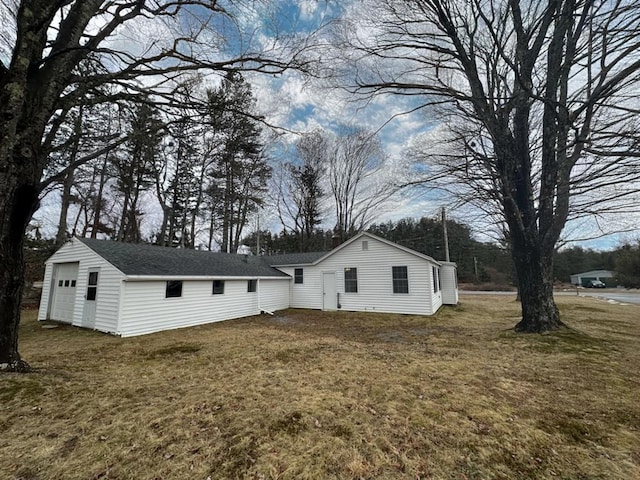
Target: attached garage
63, 288
128, 289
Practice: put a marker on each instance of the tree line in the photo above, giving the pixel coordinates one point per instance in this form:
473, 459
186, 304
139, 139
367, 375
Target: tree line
478, 262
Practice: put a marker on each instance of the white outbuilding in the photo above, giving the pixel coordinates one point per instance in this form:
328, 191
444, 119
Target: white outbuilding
132, 289
583, 279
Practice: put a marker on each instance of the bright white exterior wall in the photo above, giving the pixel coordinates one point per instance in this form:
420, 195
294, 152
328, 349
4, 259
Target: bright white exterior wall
375, 286
449, 281
146, 310
136, 305
274, 294
309, 293
108, 290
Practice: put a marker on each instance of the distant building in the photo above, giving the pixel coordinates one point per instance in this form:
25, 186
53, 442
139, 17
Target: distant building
605, 276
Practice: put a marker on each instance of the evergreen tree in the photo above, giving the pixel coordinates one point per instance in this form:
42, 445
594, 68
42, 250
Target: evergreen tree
134, 169
239, 171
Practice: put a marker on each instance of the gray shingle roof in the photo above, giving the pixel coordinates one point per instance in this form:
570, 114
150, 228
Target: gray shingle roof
293, 258
140, 259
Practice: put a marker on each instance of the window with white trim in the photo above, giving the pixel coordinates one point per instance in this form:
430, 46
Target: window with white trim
351, 280
400, 279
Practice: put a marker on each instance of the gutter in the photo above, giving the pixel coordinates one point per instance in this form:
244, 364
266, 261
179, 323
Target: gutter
164, 278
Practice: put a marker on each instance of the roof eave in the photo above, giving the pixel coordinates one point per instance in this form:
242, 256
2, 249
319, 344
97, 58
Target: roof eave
164, 278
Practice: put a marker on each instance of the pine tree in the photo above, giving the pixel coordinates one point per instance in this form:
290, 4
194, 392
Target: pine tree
239, 171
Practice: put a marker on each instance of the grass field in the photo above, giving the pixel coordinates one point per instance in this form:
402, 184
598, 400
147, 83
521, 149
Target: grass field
315, 395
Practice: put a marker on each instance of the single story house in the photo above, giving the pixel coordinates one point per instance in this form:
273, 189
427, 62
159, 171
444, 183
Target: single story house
128, 289
605, 276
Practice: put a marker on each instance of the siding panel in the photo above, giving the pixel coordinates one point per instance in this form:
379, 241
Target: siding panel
449, 284
274, 294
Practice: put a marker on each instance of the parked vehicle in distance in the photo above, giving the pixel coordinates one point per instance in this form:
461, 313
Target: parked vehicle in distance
595, 284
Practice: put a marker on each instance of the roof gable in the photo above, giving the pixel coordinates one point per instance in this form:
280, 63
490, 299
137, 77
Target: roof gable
153, 260
382, 240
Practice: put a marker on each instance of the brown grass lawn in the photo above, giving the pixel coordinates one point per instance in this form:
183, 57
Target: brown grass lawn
314, 395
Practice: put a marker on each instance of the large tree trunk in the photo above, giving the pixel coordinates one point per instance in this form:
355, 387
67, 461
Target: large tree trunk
18, 201
534, 270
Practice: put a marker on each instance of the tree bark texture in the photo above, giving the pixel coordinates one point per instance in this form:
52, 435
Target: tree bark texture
18, 201
29, 92
535, 290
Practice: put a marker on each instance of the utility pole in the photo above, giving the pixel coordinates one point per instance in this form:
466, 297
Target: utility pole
258, 235
446, 237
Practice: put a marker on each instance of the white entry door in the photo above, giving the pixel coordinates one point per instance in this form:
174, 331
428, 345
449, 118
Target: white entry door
329, 292
63, 298
89, 312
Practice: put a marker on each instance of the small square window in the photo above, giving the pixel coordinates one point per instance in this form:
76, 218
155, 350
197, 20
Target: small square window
173, 289
73, 283
218, 287
252, 286
66, 283
365, 245
59, 283
298, 275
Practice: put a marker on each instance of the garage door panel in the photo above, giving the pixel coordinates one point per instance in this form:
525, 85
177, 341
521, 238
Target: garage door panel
64, 291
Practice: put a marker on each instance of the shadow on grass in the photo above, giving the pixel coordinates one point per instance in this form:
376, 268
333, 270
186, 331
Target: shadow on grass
564, 340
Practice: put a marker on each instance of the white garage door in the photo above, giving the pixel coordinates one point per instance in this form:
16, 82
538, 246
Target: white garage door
64, 291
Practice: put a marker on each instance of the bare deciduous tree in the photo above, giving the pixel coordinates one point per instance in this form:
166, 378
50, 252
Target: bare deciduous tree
299, 188
539, 101
354, 166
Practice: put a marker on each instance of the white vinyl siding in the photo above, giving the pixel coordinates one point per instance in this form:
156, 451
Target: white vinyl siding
448, 275
137, 305
274, 294
375, 285
309, 293
108, 289
146, 310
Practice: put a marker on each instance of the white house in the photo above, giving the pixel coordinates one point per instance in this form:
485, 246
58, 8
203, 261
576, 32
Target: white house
128, 289
368, 273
